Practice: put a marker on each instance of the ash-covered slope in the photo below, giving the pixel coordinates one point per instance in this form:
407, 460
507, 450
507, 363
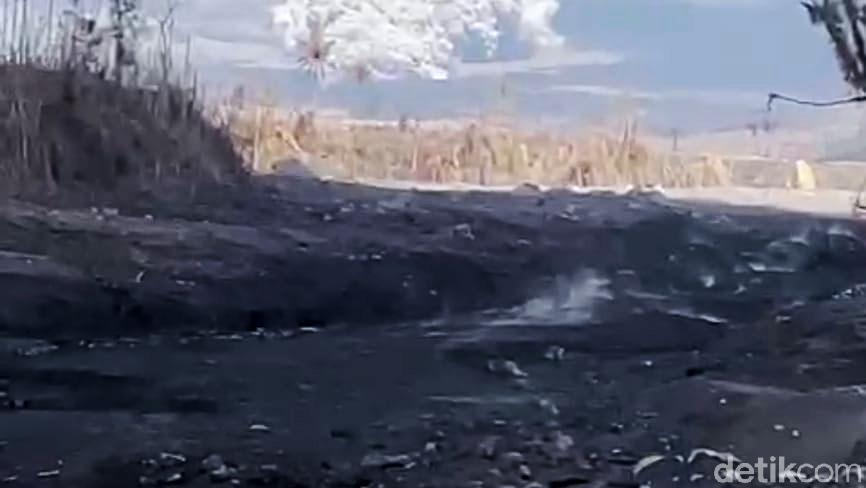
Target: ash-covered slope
525, 339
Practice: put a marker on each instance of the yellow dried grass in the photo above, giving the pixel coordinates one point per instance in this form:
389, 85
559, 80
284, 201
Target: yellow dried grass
477, 152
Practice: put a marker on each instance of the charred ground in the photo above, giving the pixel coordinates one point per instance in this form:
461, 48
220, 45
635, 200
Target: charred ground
167, 319
319, 334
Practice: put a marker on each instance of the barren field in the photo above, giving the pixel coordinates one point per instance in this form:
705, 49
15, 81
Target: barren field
308, 333
202, 292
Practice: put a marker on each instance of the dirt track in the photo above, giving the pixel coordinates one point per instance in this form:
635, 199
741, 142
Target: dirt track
326, 335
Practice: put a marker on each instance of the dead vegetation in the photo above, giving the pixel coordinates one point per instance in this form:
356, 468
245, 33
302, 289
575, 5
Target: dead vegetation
83, 112
77, 120
73, 130
480, 152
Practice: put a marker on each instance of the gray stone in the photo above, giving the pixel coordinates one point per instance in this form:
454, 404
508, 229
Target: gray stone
212, 462
384, 461
488, 447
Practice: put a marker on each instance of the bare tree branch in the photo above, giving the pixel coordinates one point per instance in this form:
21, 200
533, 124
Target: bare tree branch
845, 24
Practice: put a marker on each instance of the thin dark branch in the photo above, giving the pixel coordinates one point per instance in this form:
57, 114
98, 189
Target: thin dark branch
856, 36
813, 103
858, 202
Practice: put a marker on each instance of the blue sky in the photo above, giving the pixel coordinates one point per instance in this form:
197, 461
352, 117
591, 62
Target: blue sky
690, 64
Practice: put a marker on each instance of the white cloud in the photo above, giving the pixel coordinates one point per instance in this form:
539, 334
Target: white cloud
725, 3
545, 62
228, 34
240, 35
207, 51
719, 97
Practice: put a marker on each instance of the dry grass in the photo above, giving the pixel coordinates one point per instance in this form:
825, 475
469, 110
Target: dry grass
68, 126
64, 125
483, 152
